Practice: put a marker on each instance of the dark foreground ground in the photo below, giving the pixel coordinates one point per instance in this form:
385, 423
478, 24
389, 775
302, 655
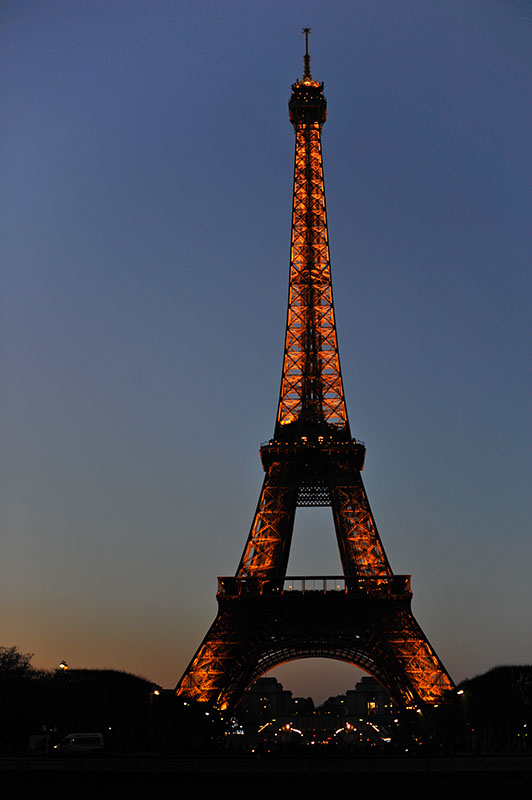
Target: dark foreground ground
440, 775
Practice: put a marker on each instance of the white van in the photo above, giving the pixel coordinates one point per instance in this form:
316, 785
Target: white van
82, 743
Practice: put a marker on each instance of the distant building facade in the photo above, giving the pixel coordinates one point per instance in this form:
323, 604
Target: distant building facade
365, 711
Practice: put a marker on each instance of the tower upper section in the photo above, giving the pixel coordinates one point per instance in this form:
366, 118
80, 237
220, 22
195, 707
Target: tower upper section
307, 104
312, 397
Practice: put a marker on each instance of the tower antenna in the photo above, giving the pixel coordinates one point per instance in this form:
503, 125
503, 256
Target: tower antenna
306, 57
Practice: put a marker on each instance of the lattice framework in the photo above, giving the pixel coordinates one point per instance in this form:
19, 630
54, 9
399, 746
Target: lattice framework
311, 384
312, 460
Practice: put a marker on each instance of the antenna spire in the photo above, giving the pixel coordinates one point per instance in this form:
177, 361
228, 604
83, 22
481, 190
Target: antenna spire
306, 57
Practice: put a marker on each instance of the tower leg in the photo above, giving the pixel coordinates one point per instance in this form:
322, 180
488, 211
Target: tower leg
268, 545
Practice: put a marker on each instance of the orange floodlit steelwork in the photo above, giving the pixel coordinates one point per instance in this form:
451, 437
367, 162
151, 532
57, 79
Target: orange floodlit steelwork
363, 617
311, 386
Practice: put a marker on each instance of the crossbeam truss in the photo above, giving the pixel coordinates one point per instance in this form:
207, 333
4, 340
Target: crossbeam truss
312, 460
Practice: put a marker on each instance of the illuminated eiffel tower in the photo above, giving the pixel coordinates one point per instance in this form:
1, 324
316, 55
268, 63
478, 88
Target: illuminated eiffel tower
266, 618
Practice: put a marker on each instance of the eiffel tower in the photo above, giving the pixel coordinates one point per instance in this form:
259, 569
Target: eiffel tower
266, 618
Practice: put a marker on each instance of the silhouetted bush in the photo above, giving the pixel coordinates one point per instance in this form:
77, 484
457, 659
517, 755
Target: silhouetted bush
498, 709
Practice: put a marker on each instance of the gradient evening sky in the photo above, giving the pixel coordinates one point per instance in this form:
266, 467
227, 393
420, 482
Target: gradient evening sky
146, 199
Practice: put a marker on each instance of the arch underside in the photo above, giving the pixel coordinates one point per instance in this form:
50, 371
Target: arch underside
355, 658
369, 655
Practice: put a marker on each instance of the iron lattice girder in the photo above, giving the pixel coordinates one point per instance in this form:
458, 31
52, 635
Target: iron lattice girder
268, 545
311, 385
260, 626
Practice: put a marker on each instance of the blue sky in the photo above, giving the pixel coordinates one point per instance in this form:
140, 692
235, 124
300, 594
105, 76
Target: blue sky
145, 218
